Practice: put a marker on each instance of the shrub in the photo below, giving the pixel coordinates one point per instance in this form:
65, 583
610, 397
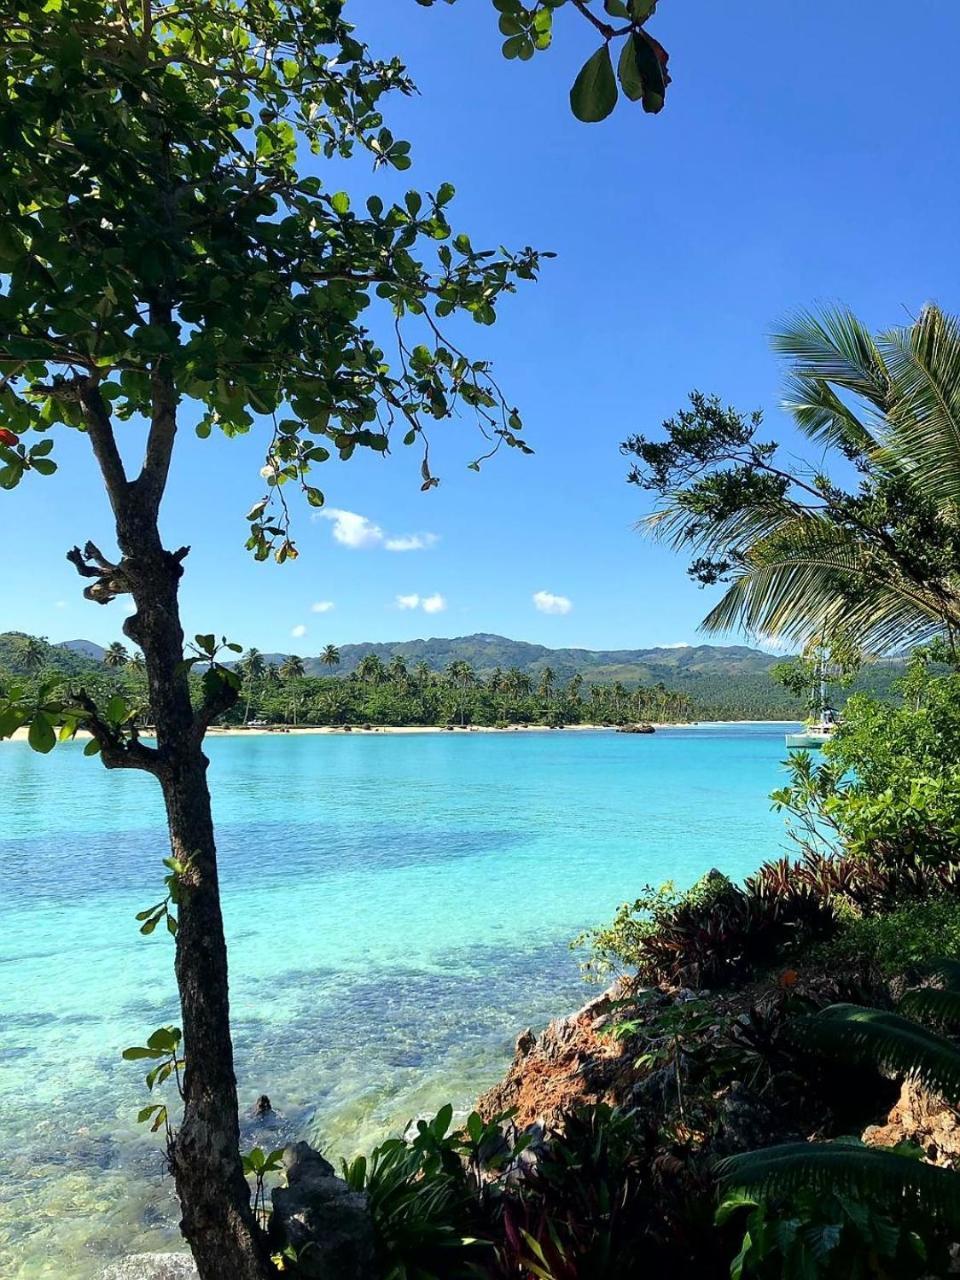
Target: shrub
718, 932
899, 942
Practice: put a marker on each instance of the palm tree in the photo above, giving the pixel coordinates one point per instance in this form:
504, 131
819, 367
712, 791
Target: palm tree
421, 674
370, 669
330, 656
879, 567
116, 655
292, 672
136, 664
251, 667
397, 671
461, 676
545, 687
33, 652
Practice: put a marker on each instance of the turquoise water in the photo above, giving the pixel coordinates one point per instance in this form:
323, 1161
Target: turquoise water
397, 907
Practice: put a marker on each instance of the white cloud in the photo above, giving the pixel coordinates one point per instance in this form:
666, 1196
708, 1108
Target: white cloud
547, 602
429, 604
681, 644
322, 606
299, 631
61, 604
411, 542
352, 530
358, 533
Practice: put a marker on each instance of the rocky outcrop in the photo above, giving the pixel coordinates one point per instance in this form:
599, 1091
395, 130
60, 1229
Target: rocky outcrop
327, 1224
636, 728
568, 1064
923, 1118
152, 1266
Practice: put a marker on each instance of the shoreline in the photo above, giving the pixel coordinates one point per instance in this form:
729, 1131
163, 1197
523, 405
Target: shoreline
265, 731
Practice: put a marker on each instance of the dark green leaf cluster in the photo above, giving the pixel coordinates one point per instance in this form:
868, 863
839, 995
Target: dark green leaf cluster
158, 228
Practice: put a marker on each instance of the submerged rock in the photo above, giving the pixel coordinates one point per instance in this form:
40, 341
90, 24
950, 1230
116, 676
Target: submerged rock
152, 1266
327, 1224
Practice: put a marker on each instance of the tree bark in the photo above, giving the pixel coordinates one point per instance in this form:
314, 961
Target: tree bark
218, 1220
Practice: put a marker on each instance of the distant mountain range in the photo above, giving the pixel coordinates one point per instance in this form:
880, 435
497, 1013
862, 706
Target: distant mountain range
729, 679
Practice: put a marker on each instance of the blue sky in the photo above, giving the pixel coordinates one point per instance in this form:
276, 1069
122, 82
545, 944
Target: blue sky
807, 154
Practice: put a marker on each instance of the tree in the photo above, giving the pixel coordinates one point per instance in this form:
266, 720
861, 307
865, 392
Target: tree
252, 669
461, 676
370, 670
805, 558
116, 655
545, 687
159, 247
330, 656
33, 652
292, 672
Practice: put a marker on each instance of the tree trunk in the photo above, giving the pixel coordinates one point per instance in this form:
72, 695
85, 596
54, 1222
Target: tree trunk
218, 1220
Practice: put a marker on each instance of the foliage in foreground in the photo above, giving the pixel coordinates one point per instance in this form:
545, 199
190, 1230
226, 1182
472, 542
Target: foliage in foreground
888, 784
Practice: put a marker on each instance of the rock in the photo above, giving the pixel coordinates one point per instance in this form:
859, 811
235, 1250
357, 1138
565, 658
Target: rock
152, 1266
327, 1224
262, 1106
920, 1117
636, 728
567, 1064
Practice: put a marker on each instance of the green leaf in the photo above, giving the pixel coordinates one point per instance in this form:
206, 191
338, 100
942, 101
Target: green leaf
341, 202
651, 72
92, 748
628, 70
41, 735
594, 92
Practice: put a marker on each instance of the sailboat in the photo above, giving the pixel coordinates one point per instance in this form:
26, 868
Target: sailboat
819, 731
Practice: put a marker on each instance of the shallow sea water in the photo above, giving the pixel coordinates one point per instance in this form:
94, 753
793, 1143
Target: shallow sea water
397, 908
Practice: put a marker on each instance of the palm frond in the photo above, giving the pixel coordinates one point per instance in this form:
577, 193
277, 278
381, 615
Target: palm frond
868, 1173
874, 1037
809, 576
924, 362
935, 1005
823, 416
837, 348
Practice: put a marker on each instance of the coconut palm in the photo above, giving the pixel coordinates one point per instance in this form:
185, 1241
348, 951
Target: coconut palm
461, 676
251, 667
370, 669
545, 687
116, 655
879, 566
397, 671
32, 652
292, 672
330, 656
136, 664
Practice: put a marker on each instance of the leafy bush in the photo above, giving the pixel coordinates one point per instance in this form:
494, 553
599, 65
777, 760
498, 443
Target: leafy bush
719, 932
899, 942
888, 785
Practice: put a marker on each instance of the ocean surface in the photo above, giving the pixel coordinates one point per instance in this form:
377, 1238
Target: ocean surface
398, 908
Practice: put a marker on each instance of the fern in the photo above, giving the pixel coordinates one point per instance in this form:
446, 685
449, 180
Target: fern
850, 1033
895, 1181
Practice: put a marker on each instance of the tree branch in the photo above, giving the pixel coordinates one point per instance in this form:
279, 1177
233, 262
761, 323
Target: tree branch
100, 431
152, 481
216, 701
116, 751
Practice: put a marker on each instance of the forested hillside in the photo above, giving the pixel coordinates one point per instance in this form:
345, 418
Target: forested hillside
697, 682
